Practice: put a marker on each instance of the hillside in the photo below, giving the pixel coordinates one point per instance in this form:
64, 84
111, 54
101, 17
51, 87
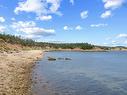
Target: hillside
10, 42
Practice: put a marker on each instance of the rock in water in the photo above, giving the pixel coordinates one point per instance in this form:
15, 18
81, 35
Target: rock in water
51, 59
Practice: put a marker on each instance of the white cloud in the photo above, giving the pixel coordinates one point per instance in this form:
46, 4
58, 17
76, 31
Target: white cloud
2, 28
98, 25
112, 4
55, 4
30, 28
125, 42
29, 6
72, 2
118, 40
67, 28
21, 24
114, 42
84, 14
44, 18
105, 43
32, 36
106, 14
13, 19
78, 27
122, 36
39, 7
2, 19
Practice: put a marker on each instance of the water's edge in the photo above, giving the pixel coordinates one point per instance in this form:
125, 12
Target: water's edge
98, 73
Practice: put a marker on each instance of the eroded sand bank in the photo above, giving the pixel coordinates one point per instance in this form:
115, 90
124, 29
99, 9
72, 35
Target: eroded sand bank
15, 72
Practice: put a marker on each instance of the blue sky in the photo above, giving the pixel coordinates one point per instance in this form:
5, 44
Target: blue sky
101, 22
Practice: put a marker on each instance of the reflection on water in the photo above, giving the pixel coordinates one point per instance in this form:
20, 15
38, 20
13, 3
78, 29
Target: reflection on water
88, 73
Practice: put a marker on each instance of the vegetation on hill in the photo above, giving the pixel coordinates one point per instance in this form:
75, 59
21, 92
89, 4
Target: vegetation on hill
11, 42
65, 45
14, 40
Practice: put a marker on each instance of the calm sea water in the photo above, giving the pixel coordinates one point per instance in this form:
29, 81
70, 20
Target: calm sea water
88, 73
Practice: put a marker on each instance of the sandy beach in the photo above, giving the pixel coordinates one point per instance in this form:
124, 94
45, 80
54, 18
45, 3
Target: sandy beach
15, 71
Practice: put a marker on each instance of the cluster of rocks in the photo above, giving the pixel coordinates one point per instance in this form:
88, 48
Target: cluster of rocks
59, 58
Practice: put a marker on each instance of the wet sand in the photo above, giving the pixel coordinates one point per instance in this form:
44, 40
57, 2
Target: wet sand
15, 71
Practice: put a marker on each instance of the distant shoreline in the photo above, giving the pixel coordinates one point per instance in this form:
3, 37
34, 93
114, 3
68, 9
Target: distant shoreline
91, 50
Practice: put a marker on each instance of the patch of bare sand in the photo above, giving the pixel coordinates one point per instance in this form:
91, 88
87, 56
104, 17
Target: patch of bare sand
15, 72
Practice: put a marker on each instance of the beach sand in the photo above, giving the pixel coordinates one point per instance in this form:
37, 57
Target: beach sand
15, 71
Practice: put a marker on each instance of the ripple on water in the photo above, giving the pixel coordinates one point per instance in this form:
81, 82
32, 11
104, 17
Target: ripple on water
86, 74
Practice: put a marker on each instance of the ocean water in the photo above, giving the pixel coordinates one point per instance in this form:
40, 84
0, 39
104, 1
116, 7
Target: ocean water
88, 73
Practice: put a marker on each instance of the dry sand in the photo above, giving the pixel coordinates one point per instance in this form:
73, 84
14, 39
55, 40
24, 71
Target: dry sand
15, 72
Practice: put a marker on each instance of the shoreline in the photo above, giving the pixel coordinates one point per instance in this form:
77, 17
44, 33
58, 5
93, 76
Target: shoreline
15, 71
16, 68
91, 50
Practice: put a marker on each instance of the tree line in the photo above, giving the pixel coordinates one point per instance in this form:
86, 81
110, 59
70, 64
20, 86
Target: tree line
29, 42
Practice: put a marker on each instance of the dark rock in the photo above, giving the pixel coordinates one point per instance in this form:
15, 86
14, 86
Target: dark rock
51, 59
68, 59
